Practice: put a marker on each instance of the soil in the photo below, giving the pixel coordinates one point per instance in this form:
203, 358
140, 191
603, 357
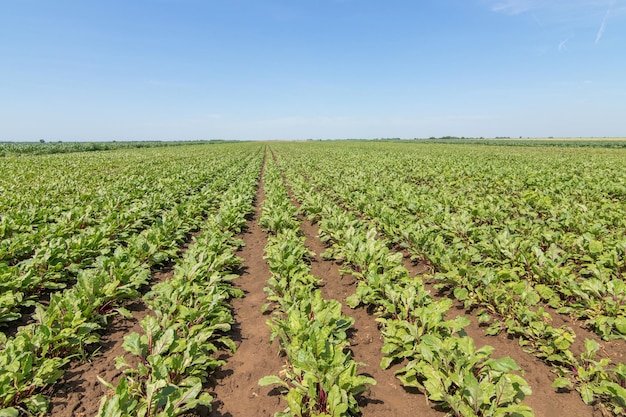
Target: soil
545, 400
236, 390
79, 392
235, 386
387, 397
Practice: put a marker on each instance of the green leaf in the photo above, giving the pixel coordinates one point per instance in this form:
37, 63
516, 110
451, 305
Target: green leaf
164, 342
544, 291
504, 364
460, 293
494, 329
353, 300
9, 412
586, 393
484, 317
591, 347
105, 383
37, 404
124, 312
386, 362
620, 324
562, 382
271, 380
595, 247
563, 342
514, 410
132, 343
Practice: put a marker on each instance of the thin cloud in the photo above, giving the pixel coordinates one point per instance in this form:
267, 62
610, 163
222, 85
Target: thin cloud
564, 15
512, 7
603, 25
568, 9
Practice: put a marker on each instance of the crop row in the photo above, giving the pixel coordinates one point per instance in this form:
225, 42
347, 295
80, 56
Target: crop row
189, 319
438, 357
34, 358
41, 191
62, 249
490, 216
475, 276
321, 376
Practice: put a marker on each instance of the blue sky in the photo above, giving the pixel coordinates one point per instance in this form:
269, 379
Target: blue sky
296, 69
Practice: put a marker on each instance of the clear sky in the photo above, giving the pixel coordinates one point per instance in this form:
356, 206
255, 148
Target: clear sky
296, 69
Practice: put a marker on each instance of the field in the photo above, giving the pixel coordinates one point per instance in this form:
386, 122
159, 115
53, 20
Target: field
314, 279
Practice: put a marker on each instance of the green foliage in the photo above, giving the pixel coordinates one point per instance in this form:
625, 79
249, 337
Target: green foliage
97, 236
177, 351
454, 372
507, 231
321, 378
438, 357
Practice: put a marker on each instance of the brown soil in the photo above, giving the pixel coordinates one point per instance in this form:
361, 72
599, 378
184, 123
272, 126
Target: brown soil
545, 400
613, 349
236, 389
387, 397
79, 392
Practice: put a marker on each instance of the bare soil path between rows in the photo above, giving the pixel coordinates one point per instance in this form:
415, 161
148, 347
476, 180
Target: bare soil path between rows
79, 392
236, 390
544, 401
387, 397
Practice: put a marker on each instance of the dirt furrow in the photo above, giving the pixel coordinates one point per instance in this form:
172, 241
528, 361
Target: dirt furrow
79, 392
236, 389
545, 400
387, 397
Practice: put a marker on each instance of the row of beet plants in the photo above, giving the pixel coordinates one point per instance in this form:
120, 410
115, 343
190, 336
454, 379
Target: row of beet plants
508, 303
479, 214
188, 320
68, 328
46, 197
93, 228
321, 377
437, 356
516, 306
